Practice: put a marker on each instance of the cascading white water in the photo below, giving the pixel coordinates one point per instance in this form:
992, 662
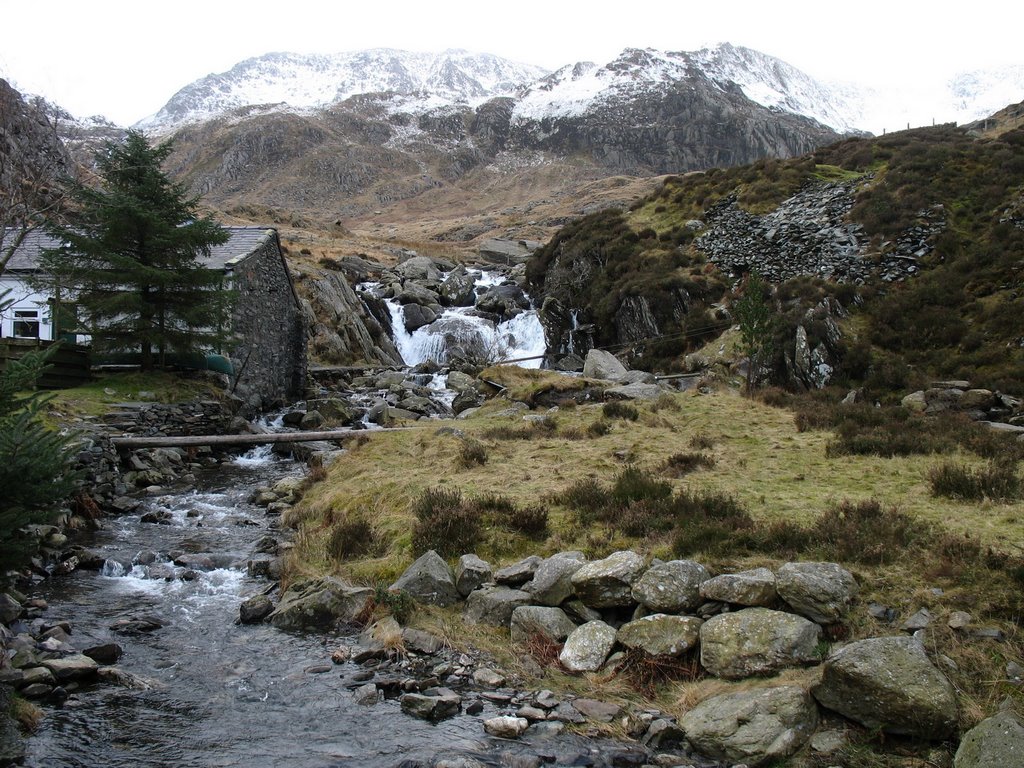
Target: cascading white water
520, 337
459, 332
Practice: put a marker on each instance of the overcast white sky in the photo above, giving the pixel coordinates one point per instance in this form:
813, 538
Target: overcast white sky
124, 58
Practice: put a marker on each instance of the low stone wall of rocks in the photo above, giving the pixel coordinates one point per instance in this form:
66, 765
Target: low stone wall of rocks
738, 626
196, 417
984, 405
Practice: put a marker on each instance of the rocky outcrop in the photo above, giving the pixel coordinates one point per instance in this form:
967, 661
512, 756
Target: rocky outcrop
429, 580
340, 330
752, 727
587, 648
823, 592
672, 587
319, 604
757, 641
997, 740
660, 634
889, 683
808, 234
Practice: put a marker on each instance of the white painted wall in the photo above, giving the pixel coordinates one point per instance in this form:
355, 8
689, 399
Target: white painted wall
29, 306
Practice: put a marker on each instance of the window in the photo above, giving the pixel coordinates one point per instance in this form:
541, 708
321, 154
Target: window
26, 323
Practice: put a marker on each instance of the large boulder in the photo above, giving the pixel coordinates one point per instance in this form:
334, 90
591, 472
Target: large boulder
320, 604
756, 587
418, 268
587, 648
752, 727
757, 641
603, 365
822, 592
494, 605
608, 583
74, 667
429, 580
472, 573
552, 581
660, 634
888, 683
635, 391
519, 572
997, 740
438, 707
552, 623
672, 587
457, 289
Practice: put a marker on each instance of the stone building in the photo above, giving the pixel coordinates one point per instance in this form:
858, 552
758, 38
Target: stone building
267, 345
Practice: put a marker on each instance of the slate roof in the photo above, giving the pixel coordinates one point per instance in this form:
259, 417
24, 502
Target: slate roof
241, 242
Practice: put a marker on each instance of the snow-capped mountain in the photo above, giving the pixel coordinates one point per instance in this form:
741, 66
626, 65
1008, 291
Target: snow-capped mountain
765, 80
304, 82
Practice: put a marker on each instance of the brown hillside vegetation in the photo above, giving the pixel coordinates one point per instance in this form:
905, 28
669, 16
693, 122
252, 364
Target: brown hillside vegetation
725, 480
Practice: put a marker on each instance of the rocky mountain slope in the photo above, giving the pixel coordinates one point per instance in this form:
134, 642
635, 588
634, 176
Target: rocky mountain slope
918, 232
645, 113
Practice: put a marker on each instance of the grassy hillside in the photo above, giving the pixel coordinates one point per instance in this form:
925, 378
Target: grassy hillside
956, 318
726, 480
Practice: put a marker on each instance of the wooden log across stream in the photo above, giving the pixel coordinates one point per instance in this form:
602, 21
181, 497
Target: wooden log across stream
270, 437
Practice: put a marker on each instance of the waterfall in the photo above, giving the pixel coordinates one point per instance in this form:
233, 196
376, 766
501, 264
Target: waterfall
457, 332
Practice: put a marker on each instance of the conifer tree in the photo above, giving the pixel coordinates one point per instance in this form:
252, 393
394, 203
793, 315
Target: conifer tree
755, 313
131, 257
35, 461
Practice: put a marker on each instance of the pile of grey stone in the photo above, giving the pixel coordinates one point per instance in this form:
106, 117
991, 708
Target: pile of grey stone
750, 624
982, 405
809, 234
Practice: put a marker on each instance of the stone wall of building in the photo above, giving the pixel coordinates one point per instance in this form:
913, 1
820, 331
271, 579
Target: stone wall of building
268, 348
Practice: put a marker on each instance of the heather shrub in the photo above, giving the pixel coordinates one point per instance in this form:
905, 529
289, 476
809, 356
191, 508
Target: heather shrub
998, 480
351, 537
444, 523
472, 452
617, 409
679, 464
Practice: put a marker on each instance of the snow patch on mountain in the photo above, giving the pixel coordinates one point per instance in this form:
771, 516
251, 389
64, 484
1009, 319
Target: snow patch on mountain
305, 82
421, 83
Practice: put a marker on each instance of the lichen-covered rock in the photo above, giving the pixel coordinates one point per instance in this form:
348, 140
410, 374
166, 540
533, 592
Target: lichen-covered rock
608, 583
506, 726
822, 592
552, 581
752, 588
997, 740
752, 727
429, 580
661, 634
74, 667
319, 604
889, 683
471, 573
587, 648
519, 572
434, 708
603, 365
494, 605
757, 641
255, 609
551, 622
672, 587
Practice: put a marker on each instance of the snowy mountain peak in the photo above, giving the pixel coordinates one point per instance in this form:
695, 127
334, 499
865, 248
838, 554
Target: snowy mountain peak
308, 81
764, 79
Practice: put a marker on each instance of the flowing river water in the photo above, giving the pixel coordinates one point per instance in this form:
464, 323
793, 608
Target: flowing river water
225, 694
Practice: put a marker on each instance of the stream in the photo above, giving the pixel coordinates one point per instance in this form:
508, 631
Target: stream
225, 694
